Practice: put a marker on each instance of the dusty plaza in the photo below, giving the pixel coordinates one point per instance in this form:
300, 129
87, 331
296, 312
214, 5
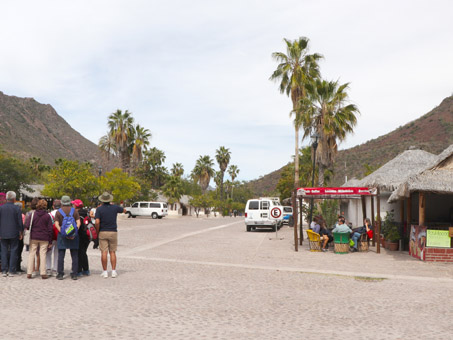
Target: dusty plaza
207, 278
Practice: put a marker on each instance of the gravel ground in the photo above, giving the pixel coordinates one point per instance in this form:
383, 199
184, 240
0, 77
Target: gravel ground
189, 278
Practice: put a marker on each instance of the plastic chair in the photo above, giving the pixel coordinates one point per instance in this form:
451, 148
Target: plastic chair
341, 243
314, 240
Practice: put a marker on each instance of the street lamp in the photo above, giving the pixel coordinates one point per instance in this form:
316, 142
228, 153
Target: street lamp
314, 144
100, 170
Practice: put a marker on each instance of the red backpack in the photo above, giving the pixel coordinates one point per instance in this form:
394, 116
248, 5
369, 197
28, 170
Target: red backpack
91, 230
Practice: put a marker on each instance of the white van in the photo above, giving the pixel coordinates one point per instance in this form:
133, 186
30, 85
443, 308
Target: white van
264, 212
153, 209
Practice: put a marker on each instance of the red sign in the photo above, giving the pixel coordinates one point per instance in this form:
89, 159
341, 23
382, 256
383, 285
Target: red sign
334, 191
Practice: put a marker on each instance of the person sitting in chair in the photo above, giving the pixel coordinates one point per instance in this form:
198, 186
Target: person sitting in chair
358, 232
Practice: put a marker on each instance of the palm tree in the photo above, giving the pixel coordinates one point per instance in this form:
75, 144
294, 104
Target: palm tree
296, 68
173, 189
139, 142
121, 130
222, 156
233, 171
327, 113
177, 170
108, 146
203, 171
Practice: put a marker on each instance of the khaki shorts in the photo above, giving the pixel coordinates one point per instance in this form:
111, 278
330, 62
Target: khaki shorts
108, 240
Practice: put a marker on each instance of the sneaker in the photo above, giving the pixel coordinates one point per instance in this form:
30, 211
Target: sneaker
60, 276
86, 273
4, 274
324, 249
73, 276
28, 276
20, 271
44, 277
114, 274
105, 274
79, 274
11, 274
49, 272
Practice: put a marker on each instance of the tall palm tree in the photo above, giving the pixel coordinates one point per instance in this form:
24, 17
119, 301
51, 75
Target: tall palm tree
139, 142
121, 129
296, 68
203, 171
222, 156
327, 112
177, 170
233, 171
108, 146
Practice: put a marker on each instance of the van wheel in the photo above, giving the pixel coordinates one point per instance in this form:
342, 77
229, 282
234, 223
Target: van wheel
249, 228
154, 215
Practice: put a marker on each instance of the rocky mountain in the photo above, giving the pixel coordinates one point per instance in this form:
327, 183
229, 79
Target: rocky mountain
31, 129
432, 132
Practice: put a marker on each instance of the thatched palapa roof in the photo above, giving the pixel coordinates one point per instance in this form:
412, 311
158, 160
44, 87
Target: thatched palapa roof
389, 176
436, 178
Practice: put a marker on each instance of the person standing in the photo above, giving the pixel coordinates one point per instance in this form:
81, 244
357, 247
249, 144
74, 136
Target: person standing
52, 254
11, 230
107, 230
84, 241
64, 242
40, 237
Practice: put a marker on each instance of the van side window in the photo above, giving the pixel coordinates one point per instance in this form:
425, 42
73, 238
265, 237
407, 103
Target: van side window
143, 205
264, 205
135, 205
253, 205
154, 205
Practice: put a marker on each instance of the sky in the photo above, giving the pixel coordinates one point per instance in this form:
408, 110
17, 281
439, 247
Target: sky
196, 73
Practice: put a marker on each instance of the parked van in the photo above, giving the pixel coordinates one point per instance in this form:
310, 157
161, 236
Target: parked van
264, 212
153, 209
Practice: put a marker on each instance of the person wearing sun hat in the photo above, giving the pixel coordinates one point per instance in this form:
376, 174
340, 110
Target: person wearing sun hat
107, 229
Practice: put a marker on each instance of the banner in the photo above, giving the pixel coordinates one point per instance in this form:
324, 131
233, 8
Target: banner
340, 192
417, 242
438, 238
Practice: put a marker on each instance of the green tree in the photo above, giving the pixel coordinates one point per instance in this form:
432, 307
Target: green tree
201, 202
122, 186
152, 169
173, 189
177, 170
14, 174
296, 68
233, 171
326, 112
203, 171
71, 178
222, 156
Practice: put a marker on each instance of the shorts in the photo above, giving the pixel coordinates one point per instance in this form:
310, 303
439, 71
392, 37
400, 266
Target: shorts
108, 241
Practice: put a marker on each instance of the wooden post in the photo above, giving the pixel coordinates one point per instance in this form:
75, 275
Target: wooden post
409, 212
402, 225
421, 208
294, 204
363, 208
301, 222
372, 219
378, 225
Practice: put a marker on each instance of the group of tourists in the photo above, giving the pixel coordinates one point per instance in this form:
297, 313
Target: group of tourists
47, 235
318, 225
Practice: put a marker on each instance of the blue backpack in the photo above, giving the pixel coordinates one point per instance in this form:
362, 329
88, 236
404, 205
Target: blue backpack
69, 225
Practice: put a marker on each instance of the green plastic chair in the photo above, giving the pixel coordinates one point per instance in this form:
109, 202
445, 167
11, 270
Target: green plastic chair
341, 243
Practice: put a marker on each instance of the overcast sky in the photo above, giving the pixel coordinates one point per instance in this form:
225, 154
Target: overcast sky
196, 73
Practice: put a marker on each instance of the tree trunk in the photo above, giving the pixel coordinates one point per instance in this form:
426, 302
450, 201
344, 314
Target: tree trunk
221, 184
296, 160
321, 175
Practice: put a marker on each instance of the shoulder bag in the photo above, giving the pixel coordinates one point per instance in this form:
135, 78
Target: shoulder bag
27, 232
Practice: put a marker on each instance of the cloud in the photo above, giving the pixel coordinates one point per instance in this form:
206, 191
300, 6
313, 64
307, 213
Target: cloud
197, 73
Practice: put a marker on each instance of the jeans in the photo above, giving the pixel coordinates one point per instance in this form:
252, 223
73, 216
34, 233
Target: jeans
13, 243
74, 257
20, 248
355, 238
83, 257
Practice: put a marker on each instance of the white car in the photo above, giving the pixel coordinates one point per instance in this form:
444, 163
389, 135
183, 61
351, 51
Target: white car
153, 209
265, 212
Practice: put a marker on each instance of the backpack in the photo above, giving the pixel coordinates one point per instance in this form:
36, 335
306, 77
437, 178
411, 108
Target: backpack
90, 229
69, 225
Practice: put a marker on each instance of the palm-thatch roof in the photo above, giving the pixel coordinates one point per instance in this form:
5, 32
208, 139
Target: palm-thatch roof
389, 176
435, 178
